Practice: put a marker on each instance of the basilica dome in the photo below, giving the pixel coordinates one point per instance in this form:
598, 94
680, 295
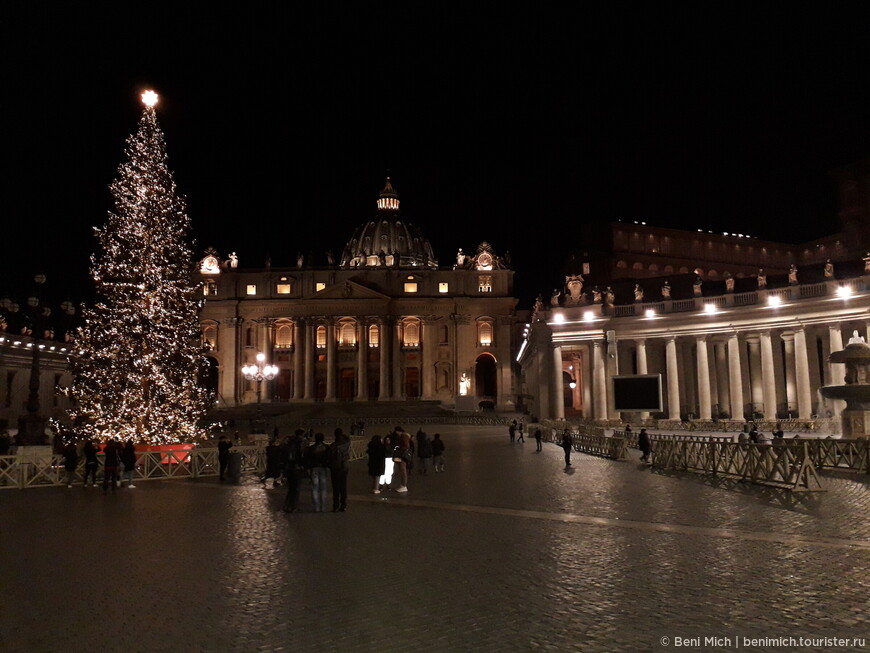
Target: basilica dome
386, 241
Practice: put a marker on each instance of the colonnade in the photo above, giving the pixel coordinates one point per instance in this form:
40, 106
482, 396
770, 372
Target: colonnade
769, 373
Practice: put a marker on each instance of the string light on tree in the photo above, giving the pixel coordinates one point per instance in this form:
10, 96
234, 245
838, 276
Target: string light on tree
140, 348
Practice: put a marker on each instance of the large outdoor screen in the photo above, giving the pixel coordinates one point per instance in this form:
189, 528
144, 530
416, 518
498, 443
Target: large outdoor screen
638, 392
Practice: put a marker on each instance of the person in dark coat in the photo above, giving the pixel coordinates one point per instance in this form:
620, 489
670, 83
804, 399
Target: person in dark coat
424, 452
643, 444
438, 452
128, 459
224, 454
293, 448
273, 464
112, 453
538, 437
376, 452
339, 457
567, 445
512, 430
90, 451
70, 462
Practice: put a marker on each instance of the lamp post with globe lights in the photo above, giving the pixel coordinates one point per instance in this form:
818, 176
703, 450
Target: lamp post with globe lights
259, 372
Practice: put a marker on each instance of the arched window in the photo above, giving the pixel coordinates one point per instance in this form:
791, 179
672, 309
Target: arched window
484, 333
412, 334
653, 267
374, 335
321, 336
283, 336
444, 334
621, 265
209, 288
209, 336
637, 266
669, 269
347, 335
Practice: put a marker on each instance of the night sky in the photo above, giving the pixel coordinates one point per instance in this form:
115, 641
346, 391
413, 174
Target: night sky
512, 124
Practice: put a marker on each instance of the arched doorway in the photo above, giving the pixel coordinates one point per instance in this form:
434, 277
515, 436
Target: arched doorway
486, 376
345, 384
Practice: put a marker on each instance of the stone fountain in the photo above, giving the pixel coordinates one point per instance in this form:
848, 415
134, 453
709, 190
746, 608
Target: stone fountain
856, 392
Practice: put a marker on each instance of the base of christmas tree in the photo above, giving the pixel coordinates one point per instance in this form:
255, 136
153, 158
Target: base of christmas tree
174, 453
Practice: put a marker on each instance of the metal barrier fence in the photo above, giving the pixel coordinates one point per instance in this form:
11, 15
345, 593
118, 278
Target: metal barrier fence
595, 445
48, 470
788, 467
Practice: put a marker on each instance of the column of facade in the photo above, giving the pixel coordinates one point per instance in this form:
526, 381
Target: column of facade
429, 347
768, 380
362, 360
673, 378
310, 345
588, 374
265, 342
704, 402
790, 380
599, 389
298, 356
721, 354
735, 380
687, 372
802, 375
398, 390
558, 409
228, 348
384, 336
641, 368
331, 362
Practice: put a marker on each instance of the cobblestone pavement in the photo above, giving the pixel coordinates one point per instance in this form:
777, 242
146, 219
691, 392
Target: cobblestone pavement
505, 551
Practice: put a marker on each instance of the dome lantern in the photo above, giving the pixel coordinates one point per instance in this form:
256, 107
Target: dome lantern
388, 200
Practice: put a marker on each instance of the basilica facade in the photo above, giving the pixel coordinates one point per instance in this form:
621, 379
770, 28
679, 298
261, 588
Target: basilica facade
384, 322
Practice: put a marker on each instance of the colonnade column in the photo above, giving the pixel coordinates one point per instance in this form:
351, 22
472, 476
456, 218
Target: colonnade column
768, 380
703, 378
722, 376
384, 336
330, 361
599, 389
641, 368
735, 380
308, 364
802, 375
673, 378
558, 385
612, 362
298, 353
838, 370
755, 394
790, 381
228, 347
362, 361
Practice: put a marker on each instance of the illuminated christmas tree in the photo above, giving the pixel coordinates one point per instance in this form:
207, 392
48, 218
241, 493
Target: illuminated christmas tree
139, 353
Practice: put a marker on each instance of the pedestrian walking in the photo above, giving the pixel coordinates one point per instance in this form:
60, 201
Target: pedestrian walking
438, 452
339, 458
424, 452
224, 446
376, 451
538, 437
512, 430
403, 459
567, 445
90, 451
293, 449
128, 460
520, 428
643, 444
317, 463
70, 462
111, 461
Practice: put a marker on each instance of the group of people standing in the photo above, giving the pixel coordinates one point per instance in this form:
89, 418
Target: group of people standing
116, 454
391, 458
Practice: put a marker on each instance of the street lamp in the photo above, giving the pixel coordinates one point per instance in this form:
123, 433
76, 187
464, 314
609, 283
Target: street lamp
259, 373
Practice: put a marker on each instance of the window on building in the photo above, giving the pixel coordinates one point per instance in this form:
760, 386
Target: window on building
443, 287
209, 336
321, 336
209, 288
284, 286
444, 334
484, 332
484, 283
412, 335
283, 336
319, 286
410, 286
251, 289
374, 334
347, 335
249, 337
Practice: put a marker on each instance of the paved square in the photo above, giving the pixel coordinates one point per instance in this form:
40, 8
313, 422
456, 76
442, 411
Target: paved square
505, 551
